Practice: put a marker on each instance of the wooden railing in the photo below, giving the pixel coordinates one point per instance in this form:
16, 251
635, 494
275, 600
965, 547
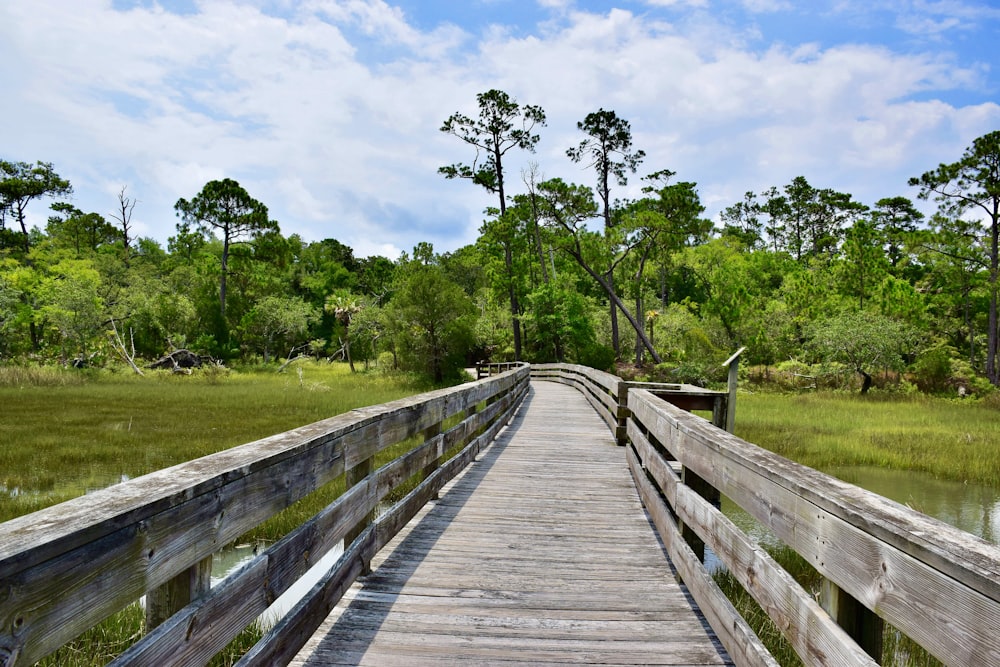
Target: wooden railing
64, 569
881, 562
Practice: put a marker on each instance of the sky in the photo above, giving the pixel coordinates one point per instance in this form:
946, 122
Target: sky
329, 111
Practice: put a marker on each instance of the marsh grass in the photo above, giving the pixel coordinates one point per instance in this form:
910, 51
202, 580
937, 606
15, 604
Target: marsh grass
105, 641
947, 438
60, 439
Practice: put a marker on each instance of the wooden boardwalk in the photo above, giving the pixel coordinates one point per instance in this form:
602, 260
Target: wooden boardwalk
540, 553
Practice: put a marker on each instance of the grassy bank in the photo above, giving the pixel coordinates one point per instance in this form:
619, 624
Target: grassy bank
950, 439
64, 433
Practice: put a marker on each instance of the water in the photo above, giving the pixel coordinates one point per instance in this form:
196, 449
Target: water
229, 561
973, 508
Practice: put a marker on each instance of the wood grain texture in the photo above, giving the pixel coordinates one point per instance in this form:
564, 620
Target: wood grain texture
539, 553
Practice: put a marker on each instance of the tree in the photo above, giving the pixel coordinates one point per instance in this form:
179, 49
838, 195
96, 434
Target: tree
123, 216
808, 222
344, 306
864, 265
274, 319
864, 341
433, 319
608, 147
566, 208
896, 219
502, 125
664, 221
224, 207
83, 232
72, 305
972, 185
20, 184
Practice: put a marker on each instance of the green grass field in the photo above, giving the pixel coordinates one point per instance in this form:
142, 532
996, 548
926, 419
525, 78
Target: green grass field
950, 439
63, 433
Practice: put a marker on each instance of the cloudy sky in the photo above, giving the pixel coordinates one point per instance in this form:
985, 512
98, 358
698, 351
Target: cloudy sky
328, 111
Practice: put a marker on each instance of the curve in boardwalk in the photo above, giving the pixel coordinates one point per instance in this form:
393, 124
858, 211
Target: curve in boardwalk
540, 553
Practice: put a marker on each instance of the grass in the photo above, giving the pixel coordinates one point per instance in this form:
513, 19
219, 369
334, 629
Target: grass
62, 437
105, 641
898, 650
949, 439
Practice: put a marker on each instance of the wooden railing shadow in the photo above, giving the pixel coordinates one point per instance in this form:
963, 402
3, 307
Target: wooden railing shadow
408, 555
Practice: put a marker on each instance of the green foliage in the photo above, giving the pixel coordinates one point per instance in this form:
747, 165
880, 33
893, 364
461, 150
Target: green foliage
865, 341
601, 357
433, 322
275, 321
559, 318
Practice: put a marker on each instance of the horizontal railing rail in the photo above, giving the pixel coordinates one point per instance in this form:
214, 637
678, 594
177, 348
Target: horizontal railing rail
66, 568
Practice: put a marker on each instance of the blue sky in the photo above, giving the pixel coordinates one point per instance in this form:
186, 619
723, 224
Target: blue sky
328, 110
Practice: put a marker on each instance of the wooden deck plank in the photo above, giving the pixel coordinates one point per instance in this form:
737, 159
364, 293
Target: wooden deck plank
540, 553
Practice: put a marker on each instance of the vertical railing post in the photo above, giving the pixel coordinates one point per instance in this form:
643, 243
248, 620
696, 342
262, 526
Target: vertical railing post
621, 432
430, 433
179, 592
733, 363
358, 475
862, 624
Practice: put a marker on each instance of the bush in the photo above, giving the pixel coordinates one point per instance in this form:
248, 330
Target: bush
932, 371
597, 356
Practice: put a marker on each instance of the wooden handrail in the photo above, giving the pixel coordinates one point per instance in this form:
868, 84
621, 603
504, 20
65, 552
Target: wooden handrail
936, 584
66, 568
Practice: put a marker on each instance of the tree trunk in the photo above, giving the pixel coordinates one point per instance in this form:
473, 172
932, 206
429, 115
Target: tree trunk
222, 278
638, 343
515, 307
866, 382
617, 302
615, 341
347, 352
993, 335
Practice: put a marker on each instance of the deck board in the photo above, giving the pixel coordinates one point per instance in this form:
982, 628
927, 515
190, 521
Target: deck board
540, 553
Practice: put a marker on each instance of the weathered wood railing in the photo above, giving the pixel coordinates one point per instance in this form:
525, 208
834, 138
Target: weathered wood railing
64, 569
881, 562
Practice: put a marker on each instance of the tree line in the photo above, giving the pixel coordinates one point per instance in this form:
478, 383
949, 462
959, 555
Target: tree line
561, 271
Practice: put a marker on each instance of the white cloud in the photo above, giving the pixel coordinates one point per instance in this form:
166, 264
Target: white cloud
329, 112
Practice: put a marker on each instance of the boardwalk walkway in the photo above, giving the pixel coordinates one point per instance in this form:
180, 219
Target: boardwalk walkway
540, 553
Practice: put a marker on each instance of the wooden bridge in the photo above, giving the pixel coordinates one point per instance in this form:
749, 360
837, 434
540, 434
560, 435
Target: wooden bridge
555, 546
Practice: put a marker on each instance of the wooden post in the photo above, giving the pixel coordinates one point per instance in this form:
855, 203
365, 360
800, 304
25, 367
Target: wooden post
182, 590
429, 434
863, 625
734, 363
358, 475
621, 432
